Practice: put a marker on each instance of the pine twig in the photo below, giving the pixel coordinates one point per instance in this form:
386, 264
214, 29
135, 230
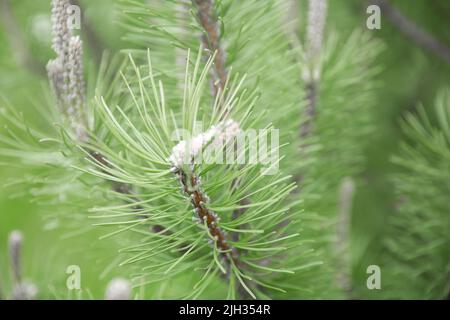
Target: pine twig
18, 45
15, 249
219, 75
342, 239
317, 14
211, 41
192, 187
22, 290
183, 155
310, 109
412, 31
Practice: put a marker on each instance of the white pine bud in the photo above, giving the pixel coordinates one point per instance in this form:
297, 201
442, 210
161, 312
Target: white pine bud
15, 249
185, 151
60, 30
25, 291
317, 14
118, 289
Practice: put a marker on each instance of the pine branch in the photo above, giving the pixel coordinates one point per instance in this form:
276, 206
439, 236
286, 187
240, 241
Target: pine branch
317, 14
343, 231
219, 75
15, 249
306, 127
19, 47
191, 184
211, 40
22, 290
412, 31
316, 23
192, 187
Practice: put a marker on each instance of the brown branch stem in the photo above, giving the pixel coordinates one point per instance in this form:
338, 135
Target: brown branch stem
211, 41
310, 109
192, 187
219, 75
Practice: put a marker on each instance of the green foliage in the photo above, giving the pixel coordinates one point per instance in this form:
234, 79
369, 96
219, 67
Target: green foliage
417, 243
115, 204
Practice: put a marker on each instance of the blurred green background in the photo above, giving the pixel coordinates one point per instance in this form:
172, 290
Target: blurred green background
409, 76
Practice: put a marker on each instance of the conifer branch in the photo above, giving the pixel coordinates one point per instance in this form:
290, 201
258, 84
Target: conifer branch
306, 127
219, 74
317, 14
22, 290
18, 45
15, 249
412, 31
343, 231
191, 185
211, 41
183, 155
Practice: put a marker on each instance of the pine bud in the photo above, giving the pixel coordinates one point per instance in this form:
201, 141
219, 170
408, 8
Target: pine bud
66, 71
185, 151
317, 14
118, 289
15, 248
25, 291
60, 30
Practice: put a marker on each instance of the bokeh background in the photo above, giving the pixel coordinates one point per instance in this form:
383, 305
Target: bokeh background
409, 76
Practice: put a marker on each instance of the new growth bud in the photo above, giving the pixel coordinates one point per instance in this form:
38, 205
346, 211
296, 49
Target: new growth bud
118, 289
185, 151
317, 15
15, 249
66, 71
22, 290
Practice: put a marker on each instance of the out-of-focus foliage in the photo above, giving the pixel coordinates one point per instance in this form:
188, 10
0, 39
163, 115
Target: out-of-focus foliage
417, 239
